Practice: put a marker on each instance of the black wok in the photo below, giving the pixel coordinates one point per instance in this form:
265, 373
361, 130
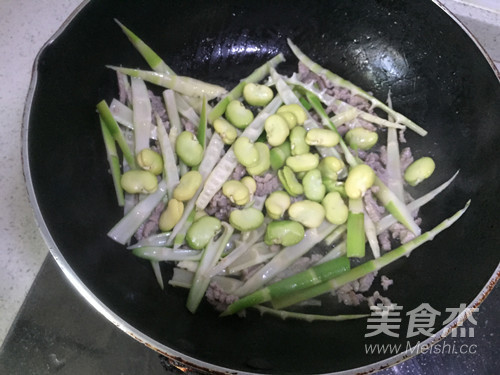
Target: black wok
438, 77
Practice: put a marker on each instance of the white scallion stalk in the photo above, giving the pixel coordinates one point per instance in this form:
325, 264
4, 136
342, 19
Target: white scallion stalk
157, 271
123, 115
395, 206
141, 114
130, 202
184, 279
286, 257
256, 254
156, 240
186, 110
165, 254
394, 175
251, 238
371, 236
172, 113
171, 174
183, 85
337, 251
124, 83
181, 278
114, 162
210, 256
226, 165
128, 225
389, 220
393, 168
335, 235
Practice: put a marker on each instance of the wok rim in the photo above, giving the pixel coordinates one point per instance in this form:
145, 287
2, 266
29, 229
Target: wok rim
177, 357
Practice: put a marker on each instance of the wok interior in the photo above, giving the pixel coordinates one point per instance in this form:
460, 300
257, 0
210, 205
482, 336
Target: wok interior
436, 75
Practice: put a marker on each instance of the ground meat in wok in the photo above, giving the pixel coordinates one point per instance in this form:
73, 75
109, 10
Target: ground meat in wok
157, 106
218, 298
239, 172
351, 294
266, 184
220, 206
151, 225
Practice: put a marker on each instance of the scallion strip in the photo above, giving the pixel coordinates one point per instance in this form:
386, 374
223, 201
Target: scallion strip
307, 317
128, 225
124, 116
372, 265
114, 129
170, 172
114, 162
302, 280
286, 257
356, 229
210, 256
339, 81
184, 85
153, 60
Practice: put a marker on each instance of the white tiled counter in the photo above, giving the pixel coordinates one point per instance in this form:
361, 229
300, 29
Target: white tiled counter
25, 25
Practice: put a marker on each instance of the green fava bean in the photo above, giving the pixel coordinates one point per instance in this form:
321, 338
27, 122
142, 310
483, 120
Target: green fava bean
322, 137
303, 162
263, 162
336, 211
279, 155
332, 185
236, 191
256, 94
246, 219
202, 231
150, 160
299, 112
277, 130
290, 119
310, 214
189, 149
238, 115
276, 204
419, 170
298, 143
361, 138
139, 181
188, 185
250, 183
286, 233
246, 152
171, 215
314, 189
359, 179
290, 182
226, 131
330, 166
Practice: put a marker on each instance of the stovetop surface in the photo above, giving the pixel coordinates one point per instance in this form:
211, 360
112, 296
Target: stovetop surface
58, 332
